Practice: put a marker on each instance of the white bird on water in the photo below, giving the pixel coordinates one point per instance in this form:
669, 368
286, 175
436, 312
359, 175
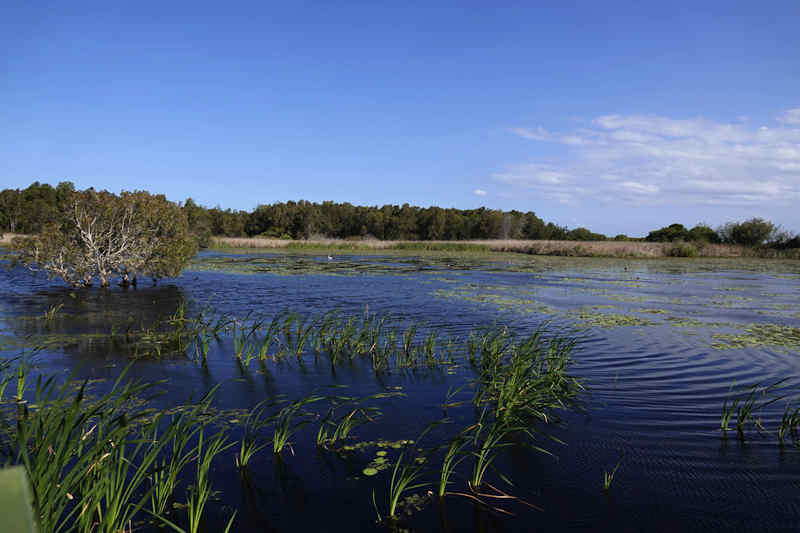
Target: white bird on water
330, 258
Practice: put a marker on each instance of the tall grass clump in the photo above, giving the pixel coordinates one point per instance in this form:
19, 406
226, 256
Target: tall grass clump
100, 464
286, 425
200, 490
251, 442
608, 477
743, 406
524, 382
790, 422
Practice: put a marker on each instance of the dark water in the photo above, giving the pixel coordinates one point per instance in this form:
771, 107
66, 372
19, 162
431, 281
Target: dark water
654, 388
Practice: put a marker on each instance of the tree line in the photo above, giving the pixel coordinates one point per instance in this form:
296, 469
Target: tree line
28, 210
752, 232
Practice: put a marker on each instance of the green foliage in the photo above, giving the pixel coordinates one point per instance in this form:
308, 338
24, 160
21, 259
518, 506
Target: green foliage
682, 249
29, 210
96, 465
704, 233
701, 233
752, 232
743, 405
583, 234
608, 477
673, 232
103, 235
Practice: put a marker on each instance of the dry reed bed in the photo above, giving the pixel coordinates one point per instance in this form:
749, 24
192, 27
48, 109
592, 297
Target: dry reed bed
537, 247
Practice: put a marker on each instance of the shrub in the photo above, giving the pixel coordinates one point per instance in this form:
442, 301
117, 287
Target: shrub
673, 232
682, 249
753, 232
703, 233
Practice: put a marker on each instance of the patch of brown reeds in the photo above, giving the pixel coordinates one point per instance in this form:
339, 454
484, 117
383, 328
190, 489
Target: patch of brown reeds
535, 247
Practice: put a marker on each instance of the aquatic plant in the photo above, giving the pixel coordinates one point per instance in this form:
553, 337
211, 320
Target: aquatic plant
487, 444
286, 427
201, 489
405, 478
206, 328
757, 335
790, 421
167, 468
251, 443
526, 381
244, 339
88, 465
608, 477
342, 427
452, 458
745, 405
334, 429
50, 314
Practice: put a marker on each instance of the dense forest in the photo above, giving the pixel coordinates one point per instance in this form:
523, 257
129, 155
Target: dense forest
28, 210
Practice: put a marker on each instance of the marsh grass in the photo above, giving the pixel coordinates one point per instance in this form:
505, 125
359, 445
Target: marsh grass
454, 455
608, 477
251, 442
535, 247
122, 464
336, 428
790, 422
104, 464
407, 474
745, 404
333, 430
524, 382
50, 314
286, 425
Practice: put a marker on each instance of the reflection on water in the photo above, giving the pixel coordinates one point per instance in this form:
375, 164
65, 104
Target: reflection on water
660, 343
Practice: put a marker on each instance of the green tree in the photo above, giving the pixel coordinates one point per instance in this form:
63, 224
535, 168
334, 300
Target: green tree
673, 232
702, 232
752, 232
199, 220
102, 235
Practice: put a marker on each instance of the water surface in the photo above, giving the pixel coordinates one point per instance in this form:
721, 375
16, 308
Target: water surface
659, 344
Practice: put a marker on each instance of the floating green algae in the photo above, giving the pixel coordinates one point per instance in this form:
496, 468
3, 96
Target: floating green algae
627, 299
503, 302
757, 335
608, 320
396, 444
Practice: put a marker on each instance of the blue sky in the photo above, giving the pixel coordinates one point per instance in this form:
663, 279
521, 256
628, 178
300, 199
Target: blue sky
621, 117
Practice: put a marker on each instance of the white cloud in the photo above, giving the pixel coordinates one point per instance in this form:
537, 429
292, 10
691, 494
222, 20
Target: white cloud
791, 117
479, 192
534, 134
651, 160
